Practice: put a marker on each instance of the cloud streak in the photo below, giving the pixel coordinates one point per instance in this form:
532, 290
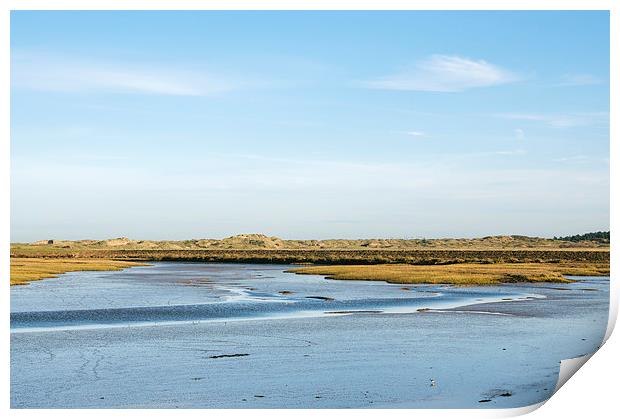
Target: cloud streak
559, 120
519, 134
56, 74
579, 80
417, 134
445, 73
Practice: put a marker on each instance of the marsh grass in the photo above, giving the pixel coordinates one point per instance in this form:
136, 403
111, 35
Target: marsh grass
324, 257
467, 263
458, 274
24, 270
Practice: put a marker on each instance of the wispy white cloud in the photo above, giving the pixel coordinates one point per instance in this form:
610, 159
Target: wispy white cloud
62, 74
519, 134
445, 73
415, 133
508, 152
577, 158
567, 120
579, 80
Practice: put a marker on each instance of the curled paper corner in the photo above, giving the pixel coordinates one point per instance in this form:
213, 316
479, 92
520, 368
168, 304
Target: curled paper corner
568, 367
520, 411
613, 313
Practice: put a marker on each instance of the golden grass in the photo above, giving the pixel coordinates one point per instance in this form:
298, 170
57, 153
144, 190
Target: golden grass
458, 274
24, 270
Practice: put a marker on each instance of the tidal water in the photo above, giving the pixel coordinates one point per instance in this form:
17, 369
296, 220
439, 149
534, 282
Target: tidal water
192, 335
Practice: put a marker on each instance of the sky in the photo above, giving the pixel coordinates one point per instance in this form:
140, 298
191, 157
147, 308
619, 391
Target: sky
178, 125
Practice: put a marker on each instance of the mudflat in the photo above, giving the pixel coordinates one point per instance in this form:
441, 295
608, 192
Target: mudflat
225, 335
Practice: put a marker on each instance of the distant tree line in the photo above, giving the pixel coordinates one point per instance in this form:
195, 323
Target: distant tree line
599, 236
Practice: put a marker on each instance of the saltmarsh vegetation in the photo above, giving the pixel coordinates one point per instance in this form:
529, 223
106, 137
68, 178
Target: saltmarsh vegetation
458, 274
487, 260
24, 270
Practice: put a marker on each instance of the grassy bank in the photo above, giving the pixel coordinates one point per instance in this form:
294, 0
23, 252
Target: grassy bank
24, 270
486, 260
459, 274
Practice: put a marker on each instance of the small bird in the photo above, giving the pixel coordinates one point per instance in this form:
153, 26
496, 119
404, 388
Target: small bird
432, 383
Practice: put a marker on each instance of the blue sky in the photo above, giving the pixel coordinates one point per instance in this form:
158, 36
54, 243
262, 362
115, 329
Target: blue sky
173, 125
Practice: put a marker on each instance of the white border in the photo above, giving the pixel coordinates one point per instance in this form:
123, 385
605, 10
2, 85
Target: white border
310, 5
592, 393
